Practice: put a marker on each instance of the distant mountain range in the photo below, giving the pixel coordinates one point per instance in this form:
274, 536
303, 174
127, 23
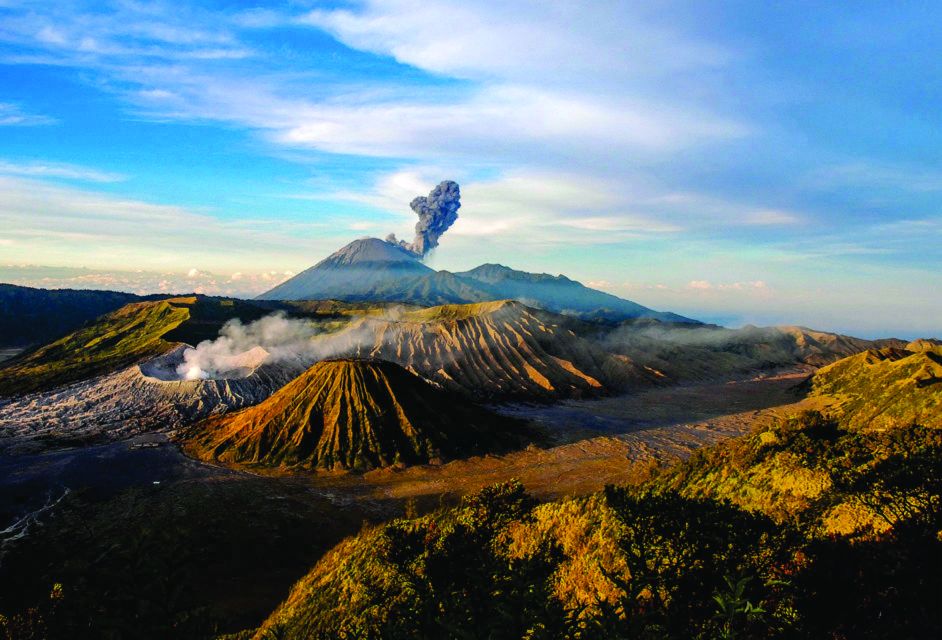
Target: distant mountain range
379, 271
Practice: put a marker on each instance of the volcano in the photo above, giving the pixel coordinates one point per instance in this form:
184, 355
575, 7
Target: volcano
352, 414
370, 269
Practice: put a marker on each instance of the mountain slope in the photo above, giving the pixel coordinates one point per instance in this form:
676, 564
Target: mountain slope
34, 316
559, 294
886, 388
689, 352
825, 529
495, 350
361, 270
351, 414
141, 398
134, 332
380, 271
115, 340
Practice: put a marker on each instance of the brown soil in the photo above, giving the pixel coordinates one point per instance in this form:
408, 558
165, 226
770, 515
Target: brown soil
637, 432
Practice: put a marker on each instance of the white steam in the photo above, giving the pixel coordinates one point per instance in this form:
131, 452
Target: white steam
243, 347
276, 338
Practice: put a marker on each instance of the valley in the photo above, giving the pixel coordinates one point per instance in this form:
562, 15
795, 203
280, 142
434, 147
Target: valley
205, 454
138, 483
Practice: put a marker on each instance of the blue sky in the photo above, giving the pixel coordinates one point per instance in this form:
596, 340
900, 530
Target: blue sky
737, 161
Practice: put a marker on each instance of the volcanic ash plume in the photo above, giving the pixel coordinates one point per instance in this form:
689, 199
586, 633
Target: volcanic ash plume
437, 212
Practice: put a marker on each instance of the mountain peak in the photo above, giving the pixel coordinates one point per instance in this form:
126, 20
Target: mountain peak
369, 250
352, 414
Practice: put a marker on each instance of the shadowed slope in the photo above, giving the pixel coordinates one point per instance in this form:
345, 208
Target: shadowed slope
134, 332
352, 414
561, 295
379, 271
709, 352
35, 316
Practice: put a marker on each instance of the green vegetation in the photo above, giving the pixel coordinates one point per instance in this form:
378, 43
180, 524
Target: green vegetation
35, 316
118, 339
886, 388
805, 529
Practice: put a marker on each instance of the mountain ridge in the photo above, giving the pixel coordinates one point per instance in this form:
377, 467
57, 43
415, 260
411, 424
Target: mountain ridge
374, 269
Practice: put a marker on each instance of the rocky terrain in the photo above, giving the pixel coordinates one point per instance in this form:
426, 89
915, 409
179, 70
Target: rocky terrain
497, 351
136, 399
886, 388
352, 414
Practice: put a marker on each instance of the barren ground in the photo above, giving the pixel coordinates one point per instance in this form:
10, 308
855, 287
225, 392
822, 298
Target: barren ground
67, 507
613, 440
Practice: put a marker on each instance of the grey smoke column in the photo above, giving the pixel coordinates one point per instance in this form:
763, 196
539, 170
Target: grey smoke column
437, 212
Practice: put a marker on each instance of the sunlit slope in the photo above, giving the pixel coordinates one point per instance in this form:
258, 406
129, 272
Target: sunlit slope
886, 388
497, 350
31, 316
818, 519
123, 337
115, 340
352, 414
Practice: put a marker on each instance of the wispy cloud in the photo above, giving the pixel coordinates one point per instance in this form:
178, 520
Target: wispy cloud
767, 217
12, 115
166, 60
513, 41
245, 285
53, 224
57, 170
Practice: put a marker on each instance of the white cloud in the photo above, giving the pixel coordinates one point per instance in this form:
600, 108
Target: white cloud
614, 89
500, 122
706, 285
522, 208
137, 281
57, 170
514, 40
12, 115
771, 217
53, 224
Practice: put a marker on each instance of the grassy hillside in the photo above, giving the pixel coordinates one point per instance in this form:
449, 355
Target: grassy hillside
807, 528
132, 333
352, 414
31, 316
886, 388
116, 339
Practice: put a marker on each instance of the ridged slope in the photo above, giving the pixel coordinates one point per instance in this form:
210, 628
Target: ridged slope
885, 388
131, 401
362, 270
704, 353
496, 350
350, 414
122, 337
560, 294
